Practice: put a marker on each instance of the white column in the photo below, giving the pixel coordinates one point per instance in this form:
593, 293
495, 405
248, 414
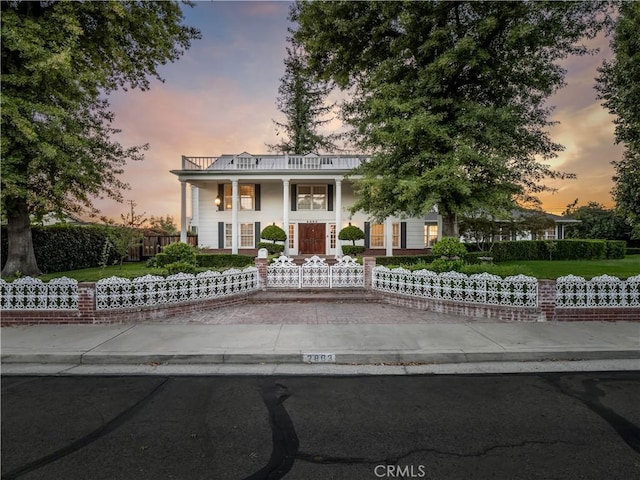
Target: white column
234, 217
183, 211
388, 236
285, 213
338, 207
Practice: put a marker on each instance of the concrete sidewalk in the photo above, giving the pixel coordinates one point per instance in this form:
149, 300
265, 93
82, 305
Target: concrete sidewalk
349, 344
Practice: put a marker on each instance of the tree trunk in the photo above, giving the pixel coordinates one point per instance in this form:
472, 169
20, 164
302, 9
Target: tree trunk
21, 259
450, 225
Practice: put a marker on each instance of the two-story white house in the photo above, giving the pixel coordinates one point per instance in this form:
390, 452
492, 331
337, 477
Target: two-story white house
233, 197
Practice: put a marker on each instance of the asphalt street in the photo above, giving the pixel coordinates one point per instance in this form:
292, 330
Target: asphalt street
524, 426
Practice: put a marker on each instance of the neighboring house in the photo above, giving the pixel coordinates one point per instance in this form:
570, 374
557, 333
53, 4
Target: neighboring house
233, 197
555, 230
53, 218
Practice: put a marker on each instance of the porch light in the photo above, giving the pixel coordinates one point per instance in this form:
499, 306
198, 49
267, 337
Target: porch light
218, 202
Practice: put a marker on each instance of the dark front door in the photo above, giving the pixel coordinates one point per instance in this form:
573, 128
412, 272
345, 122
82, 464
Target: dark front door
311, 238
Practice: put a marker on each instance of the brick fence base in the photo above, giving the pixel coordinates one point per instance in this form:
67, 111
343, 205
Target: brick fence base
125, 315
465, 309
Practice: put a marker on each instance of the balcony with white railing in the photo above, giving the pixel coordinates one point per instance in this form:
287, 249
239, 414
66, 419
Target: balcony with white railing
246, 162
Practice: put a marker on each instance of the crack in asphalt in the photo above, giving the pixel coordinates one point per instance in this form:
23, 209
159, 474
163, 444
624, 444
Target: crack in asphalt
327, 459
91, 437
285, 440
591, 398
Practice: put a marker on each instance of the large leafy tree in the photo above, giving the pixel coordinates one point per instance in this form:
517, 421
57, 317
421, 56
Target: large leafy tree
59, 62
619, 87
450, 97
597, 221
303, 102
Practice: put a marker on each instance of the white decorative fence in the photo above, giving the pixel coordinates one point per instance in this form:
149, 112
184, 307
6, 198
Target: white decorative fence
483, 288
116, 293
315, 273
33, 294
602, 291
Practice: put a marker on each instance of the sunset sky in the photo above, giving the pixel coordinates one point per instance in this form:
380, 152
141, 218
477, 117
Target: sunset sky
220, 98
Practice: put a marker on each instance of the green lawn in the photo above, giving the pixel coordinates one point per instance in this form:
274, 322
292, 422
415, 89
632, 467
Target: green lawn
624, 268
127, 270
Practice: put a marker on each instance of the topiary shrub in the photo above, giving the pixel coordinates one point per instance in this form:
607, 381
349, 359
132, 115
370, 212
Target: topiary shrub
351, 232
274, 233
352, 250
449, 247
177, 252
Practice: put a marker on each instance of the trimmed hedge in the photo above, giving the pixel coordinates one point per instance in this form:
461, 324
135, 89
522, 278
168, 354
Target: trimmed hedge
59, 248
272, 248
616, 249
405, 259
473, 258
223, 260
353, 250
570, 249
633, 251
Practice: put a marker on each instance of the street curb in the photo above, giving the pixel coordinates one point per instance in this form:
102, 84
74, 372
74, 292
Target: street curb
292, 358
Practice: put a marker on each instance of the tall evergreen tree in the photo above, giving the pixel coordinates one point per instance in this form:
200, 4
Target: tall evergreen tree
303, 103
449, 96
59, 60
619, 87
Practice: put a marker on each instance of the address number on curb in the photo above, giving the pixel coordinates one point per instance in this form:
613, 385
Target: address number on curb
319, 357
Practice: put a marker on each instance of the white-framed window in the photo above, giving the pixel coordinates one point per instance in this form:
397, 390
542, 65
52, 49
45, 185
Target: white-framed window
291, 236
332, 235
247, 194
550, 234
376, 239
247, 235
395, 242
376, 235
312, 197
430, 234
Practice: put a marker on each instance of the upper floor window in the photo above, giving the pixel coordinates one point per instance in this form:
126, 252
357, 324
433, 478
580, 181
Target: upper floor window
312, 197
247, 194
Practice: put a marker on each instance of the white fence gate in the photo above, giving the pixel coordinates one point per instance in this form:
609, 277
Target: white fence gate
314, 273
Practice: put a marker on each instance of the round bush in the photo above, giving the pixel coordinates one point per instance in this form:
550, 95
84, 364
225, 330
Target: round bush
449, 247
351, 232
273, 233
179, 252
180, 267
